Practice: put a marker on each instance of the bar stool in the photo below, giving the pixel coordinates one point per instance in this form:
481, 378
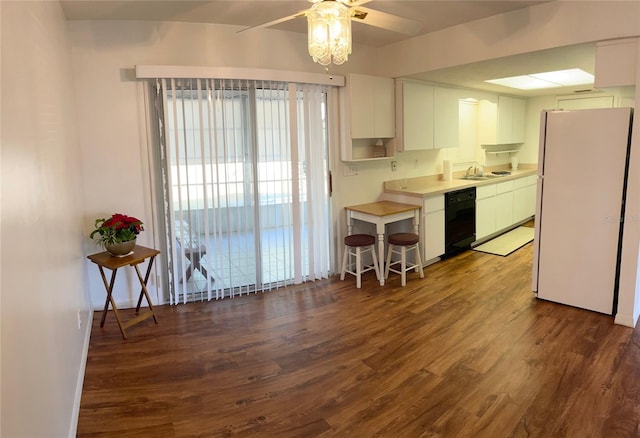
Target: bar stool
357, 245
400, 243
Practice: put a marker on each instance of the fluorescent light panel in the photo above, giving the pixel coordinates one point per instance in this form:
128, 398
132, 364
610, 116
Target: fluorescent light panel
551, 79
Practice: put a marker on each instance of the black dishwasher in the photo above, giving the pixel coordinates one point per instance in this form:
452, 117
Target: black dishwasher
460, 220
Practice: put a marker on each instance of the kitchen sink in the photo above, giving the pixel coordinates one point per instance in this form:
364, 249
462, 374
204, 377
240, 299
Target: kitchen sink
481, 178
475, 178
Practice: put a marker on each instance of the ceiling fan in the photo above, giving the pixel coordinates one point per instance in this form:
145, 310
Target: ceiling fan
329, 26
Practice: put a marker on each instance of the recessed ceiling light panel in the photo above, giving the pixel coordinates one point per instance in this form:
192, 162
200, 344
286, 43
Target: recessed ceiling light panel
551, 79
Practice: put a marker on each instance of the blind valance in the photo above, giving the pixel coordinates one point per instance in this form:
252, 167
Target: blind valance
182, 71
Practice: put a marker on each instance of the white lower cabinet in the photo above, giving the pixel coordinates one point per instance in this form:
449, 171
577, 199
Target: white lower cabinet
519, 200
433, 227
485, 210
503, 204
531, 191
498, 206
524, 198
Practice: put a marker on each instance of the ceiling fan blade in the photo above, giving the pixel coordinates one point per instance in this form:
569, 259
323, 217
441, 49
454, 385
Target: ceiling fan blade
355, 3
387, 21
278, 21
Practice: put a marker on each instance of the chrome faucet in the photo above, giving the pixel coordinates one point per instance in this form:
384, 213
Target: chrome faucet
469, 171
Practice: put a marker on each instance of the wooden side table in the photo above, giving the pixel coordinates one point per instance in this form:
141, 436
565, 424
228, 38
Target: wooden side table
106, 260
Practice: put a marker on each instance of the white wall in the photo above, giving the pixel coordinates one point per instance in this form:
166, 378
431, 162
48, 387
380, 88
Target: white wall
535, 105
544, 26
43, 276
103, 53
111, 108
45, 218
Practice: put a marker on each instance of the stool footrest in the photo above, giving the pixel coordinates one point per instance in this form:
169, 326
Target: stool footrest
401, 243
356, 245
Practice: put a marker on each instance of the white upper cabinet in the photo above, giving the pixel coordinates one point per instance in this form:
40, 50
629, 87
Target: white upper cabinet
427, 117
446, 118
502, 123
510, 119
414, 116
367, 113
585, 102
371, 102
616, 63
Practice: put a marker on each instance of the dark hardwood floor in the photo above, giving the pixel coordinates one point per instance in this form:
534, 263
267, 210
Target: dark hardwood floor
465, 352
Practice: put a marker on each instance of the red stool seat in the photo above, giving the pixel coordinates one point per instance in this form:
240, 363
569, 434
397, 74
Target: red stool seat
359, 240
356, 245
400, 243
403, 239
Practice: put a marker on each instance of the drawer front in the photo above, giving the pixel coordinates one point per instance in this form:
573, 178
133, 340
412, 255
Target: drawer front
486, 191
531, 180
519, 183
435, 203
504, 187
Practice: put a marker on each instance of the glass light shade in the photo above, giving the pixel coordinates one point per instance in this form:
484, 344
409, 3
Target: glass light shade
329, 32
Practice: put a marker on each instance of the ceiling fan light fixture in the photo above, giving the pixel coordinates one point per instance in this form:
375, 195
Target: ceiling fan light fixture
329, 32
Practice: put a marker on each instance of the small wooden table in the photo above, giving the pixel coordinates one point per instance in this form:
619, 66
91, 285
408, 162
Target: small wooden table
382, 213
106, 260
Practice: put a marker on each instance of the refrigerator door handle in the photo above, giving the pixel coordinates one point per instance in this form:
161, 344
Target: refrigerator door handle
536, 237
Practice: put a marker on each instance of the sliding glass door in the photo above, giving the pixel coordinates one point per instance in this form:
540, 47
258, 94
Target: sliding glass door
245, 180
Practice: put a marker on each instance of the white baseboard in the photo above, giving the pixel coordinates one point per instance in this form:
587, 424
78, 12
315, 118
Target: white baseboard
626, 320
73, 427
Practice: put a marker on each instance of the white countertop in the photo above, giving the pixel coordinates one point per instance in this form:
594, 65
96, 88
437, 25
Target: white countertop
426, 186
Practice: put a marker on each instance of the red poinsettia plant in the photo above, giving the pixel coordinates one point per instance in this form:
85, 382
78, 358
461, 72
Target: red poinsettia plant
118, 228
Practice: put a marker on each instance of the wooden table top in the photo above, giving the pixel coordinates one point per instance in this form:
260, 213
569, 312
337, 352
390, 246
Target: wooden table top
140, 254
383, 208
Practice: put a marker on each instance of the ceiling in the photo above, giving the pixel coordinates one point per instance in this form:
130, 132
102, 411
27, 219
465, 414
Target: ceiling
427, 16
430, 15
561, 58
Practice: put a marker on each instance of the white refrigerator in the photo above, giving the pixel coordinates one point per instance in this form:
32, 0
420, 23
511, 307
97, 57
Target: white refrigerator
582, 180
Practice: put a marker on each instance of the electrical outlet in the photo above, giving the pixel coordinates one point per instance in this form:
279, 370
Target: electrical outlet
350, 171
79, 320
394, 166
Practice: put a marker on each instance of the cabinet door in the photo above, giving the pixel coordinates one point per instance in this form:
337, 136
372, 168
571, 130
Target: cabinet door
487, 121
505, 120
416, 117
446, 118
434, 234
585, 103
371, 106
504, 210
511, 112
517, 120
433, 226
362, 103
520, 204
384, 125
530, 200
485, 217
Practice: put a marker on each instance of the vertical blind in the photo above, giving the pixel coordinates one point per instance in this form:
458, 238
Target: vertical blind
245, 180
